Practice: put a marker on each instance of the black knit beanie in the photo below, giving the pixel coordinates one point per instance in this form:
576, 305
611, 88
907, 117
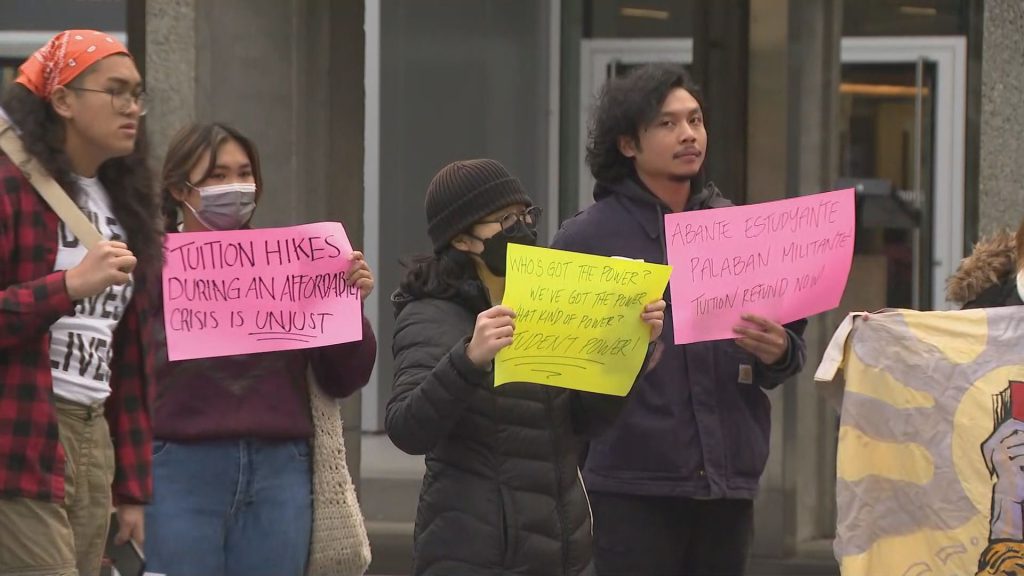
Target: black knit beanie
463, 192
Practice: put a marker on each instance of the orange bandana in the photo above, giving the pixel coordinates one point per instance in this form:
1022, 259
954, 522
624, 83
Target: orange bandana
63, 58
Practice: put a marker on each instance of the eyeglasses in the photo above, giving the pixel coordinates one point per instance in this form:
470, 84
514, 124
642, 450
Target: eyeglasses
121, 101
529, 217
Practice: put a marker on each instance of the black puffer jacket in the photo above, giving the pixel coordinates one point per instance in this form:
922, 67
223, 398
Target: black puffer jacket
988, 277
502, 492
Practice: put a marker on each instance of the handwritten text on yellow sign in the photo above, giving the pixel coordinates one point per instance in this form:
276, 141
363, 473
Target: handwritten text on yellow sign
578, 319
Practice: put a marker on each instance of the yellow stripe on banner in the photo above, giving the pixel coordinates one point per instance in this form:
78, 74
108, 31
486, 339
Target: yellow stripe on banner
866, 456
877, 383
961, 336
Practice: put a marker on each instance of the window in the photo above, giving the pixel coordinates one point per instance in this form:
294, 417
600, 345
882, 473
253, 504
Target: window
905, 17
638, 18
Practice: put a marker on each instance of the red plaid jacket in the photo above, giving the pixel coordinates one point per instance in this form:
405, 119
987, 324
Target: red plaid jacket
32, 297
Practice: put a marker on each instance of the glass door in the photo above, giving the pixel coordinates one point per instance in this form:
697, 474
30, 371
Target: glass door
902, 122
887, 145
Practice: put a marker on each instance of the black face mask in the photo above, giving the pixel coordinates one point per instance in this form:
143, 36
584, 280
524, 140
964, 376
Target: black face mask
496, 247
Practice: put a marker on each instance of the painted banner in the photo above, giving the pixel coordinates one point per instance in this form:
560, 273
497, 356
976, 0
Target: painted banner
262, 290
784, 260
929, 476
578, 319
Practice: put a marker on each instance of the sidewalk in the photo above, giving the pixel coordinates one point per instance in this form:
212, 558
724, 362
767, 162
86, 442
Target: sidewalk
389, 491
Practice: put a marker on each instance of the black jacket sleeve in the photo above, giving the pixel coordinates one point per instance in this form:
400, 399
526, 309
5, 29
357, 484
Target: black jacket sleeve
434, 379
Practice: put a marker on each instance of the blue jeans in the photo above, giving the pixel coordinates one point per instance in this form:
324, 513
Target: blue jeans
229, 508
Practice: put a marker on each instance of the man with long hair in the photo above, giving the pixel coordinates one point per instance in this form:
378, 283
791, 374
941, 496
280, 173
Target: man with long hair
684, 459
74, 359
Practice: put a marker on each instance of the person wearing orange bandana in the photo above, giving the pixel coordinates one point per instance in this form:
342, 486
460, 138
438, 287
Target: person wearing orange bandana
75, 361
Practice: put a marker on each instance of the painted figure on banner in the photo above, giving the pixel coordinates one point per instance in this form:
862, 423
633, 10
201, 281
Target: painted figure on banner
1002, 452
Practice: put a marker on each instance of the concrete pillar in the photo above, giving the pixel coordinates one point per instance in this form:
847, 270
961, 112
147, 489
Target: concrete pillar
767, 180
810, 424
170, 53
287, 73
1001, 194
792, 150
720, 69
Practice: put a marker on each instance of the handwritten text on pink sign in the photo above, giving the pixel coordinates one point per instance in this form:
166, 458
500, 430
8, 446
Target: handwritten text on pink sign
262, 290
784, 260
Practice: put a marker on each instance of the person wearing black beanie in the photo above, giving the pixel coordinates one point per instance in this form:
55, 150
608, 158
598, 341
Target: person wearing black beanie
502, 492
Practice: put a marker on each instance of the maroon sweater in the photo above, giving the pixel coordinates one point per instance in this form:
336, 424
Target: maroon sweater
262, 396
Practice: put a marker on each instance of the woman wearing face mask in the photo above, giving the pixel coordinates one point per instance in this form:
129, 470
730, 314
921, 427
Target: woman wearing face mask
231, 450
501, 493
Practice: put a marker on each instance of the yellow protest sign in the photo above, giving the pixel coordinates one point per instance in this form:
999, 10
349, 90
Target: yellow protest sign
578, 319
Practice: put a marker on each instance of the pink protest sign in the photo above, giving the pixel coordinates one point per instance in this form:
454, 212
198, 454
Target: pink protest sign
262, 290
784, 260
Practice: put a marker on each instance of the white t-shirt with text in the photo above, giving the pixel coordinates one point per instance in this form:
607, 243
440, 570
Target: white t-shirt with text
81, 345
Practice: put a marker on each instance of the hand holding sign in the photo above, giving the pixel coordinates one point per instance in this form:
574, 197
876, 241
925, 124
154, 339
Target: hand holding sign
768, 341
360, 275
494, 330
654, 316
581, 321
